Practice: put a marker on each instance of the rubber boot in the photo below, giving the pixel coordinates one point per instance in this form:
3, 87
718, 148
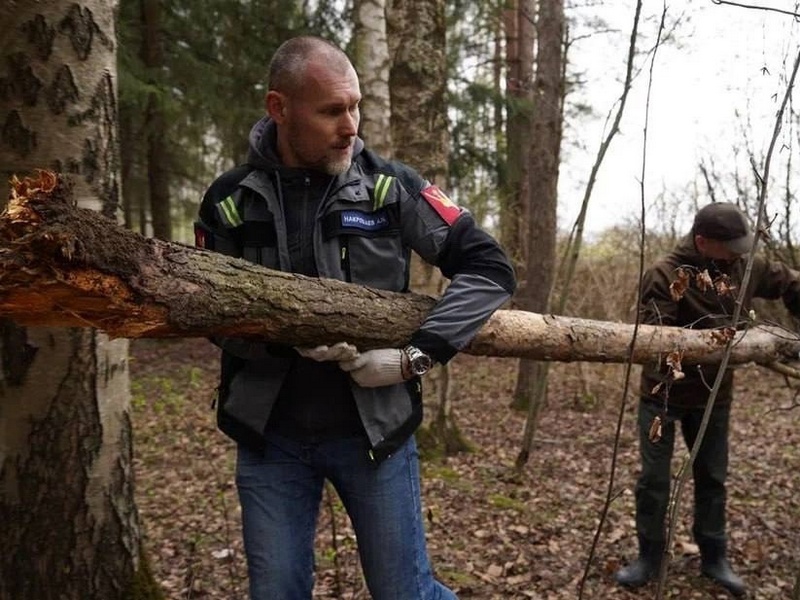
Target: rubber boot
645, 568
715, 565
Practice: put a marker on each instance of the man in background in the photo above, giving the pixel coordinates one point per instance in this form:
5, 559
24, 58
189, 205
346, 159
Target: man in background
696, 286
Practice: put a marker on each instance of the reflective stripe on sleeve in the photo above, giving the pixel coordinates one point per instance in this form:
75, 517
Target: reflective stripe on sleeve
382, 187
228, 213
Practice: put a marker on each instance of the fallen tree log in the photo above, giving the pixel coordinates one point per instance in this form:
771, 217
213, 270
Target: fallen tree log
61, 265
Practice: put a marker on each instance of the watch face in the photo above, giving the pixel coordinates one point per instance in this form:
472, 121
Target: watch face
421, 365
419, 362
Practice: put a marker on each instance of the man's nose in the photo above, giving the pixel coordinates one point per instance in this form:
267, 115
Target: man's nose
349, 125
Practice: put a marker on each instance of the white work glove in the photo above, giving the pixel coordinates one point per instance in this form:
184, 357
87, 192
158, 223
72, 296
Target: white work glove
338, 352
376, 368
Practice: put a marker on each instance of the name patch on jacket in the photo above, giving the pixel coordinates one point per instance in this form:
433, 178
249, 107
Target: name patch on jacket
365, 223
375, 221
439, 202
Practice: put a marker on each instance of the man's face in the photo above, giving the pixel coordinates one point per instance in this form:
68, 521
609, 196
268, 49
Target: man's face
318, 123
715, 250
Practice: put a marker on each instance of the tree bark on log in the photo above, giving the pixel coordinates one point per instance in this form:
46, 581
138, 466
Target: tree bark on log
61, 265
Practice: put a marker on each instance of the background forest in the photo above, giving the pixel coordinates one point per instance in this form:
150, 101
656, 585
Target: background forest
151, 99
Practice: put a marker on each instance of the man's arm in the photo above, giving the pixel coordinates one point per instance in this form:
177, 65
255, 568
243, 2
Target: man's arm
657, 305
779, 281
481, 276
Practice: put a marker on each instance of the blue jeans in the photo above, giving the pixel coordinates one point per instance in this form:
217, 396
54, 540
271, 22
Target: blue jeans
280, 492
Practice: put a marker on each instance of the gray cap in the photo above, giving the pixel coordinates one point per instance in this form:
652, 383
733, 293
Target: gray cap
724, 222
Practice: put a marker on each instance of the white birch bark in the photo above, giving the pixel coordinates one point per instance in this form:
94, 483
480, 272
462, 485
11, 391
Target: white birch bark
66, 499
372, 63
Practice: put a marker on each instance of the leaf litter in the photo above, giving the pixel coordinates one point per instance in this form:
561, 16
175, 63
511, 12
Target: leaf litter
490, 536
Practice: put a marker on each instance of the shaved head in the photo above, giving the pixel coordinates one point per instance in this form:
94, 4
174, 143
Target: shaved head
289, 64
313, 99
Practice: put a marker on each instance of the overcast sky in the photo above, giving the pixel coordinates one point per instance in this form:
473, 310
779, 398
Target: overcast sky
724, 60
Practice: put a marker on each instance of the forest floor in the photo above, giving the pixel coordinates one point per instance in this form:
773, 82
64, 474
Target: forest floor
490, 536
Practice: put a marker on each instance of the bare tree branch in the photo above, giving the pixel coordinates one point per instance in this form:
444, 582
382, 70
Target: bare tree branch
628, 367
573, 248
754, 7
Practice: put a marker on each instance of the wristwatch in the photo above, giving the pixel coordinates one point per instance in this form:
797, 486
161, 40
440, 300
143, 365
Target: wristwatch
419, 363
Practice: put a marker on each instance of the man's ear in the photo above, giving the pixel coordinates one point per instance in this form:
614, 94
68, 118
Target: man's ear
276, 106
701, 243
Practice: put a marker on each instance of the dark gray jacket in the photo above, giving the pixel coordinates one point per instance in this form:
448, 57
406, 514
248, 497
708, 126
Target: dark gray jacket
370, 219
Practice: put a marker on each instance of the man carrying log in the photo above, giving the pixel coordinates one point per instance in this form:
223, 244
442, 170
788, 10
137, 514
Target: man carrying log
312, 200
696, 286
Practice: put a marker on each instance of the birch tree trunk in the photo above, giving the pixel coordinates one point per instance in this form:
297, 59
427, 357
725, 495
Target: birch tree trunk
69, 524
373, 63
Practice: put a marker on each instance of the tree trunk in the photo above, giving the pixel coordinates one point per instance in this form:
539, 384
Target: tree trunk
545, 144
371, 58
418, 44
69, 524
156, 123
520, 37
82, 268
418, 84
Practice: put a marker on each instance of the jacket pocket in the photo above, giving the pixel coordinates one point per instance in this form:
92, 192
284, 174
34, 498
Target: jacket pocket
377, 261
371, 248
251, 393
390, 415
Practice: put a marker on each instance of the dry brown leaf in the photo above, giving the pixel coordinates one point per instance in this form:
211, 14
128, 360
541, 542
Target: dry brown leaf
654, 435
678, 288
723, 286
723, 335
674, 359
703, 281
495, 571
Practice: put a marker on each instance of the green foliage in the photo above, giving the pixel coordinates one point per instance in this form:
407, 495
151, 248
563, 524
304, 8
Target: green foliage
212, 83
210, 87
507, 503
476, 107
443, 472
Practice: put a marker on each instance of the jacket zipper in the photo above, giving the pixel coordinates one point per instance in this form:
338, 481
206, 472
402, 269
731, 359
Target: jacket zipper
345, 257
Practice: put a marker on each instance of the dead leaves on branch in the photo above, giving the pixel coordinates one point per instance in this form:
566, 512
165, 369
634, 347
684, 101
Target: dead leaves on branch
684, 276
721, 286
675, 372
674, 363
723, 335
678, 288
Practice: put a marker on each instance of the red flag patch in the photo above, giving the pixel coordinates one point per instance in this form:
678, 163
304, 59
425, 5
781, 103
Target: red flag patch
199, 237
439, 202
